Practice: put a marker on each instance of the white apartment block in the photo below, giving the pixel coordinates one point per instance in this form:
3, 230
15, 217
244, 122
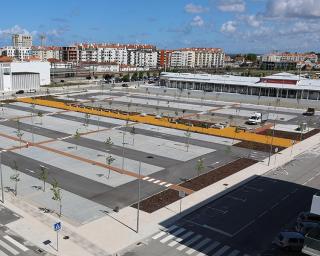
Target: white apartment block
289, 57
45, 53
197, 57
142, 58
183, 58
17, 53
19, 40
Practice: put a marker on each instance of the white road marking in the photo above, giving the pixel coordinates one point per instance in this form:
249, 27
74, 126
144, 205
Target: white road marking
237, 198
222, 250
162, 233
162, 183
181, 247
16, 243
3, 254
254, 188
168, 185
180, 239
8, 248
218, 210
208, 249
217, 230
146, 178
157, 181
151, 180
198, 246
169, 237
234, 253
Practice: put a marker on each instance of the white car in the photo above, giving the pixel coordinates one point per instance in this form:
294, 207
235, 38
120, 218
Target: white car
218, 126
158, 116
143, 114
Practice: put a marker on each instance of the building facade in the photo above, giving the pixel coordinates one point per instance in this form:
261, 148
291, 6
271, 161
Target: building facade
282, 85
16, 76
19, 40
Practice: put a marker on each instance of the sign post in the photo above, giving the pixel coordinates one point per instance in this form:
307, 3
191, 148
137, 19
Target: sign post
182, 194
57, 228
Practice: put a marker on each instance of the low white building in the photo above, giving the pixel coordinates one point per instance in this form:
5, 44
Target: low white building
16, 76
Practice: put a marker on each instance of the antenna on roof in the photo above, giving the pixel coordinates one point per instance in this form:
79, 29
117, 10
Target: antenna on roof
43, 40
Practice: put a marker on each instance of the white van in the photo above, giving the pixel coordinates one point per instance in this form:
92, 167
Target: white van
289, 240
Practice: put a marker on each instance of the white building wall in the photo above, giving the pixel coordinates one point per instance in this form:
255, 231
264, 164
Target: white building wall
43, 68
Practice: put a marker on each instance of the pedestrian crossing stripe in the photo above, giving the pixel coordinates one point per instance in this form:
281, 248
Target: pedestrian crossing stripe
193, 244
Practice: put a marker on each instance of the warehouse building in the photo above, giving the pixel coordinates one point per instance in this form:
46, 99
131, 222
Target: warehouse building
16, 76
281, 85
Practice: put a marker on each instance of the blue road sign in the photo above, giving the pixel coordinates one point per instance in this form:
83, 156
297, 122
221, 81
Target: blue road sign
57, 226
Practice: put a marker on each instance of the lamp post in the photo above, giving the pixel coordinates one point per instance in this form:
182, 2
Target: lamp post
139, 190
1, 177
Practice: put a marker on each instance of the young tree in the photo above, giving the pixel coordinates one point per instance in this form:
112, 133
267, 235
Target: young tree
15, 177
86, 119
77, 136
200, 166
19, 133
108, 143
109, 161
188, 136
133, 133
44, 176
56, 195
40, 115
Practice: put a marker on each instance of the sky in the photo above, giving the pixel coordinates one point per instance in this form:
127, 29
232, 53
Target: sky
237, 26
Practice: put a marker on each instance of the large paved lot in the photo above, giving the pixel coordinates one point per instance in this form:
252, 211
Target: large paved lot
246, 220
79, 164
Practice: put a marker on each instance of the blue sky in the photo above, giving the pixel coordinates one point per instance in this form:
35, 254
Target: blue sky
235, 25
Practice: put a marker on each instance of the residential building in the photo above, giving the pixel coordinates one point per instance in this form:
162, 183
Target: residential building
183, 59
45, 53
164, 58
17, 53
19, 40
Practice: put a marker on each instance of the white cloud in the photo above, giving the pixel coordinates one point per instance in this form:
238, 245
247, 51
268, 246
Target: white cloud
16, 29
229, 27
197, 22
192, 8
251, 20
232, 5
293, 8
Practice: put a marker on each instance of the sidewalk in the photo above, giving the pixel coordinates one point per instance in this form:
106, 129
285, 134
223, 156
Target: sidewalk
115, 232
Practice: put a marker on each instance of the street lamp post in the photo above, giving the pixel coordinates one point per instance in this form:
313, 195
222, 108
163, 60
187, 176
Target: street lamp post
1, 177
139, 190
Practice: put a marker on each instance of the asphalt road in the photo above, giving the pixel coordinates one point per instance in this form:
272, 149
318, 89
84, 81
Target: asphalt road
244, 221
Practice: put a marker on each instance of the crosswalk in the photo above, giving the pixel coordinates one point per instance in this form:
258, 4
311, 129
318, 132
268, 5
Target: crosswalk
157, 182
190, 243
11, 247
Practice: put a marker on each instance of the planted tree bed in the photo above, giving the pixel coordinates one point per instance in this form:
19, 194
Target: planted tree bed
169, 196
290, 135
258, 146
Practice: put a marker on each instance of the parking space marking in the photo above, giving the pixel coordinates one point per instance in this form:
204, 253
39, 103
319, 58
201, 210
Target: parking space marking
222, 250
217, 230
237, 198
254, 188
234, 253
217, 210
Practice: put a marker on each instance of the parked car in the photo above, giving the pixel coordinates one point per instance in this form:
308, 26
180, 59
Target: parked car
218, 126
20, 92
124, 85
305, 226
307, 216
158, 116
289, 240
143, 114
309, 112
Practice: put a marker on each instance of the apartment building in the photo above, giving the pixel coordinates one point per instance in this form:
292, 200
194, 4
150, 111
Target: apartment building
45, 53
143, 56
19, 40
197, 57
289, 57
17, 53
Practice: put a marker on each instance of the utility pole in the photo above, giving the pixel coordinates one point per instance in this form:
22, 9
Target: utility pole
1, 177
139, 190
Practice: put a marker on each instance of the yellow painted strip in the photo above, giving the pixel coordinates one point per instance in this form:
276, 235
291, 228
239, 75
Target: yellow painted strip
164, 122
